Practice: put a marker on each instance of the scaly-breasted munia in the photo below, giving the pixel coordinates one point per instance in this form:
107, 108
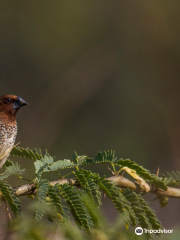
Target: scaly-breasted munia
9, 105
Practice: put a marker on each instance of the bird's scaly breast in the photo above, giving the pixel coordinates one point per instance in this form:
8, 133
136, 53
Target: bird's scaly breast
7, 138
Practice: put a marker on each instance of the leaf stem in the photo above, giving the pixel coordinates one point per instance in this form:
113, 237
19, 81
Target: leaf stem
67, 174
24, 179
113, 166
58, 174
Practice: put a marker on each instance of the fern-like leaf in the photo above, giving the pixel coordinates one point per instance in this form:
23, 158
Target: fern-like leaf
101, 157
119, 201
142, 172
78, 208
47, 164
145, 215
86, 180
43, 163
61, 164
11, 170
109, 156
78, 159
8, 163
61, 209
11, 199
26, 153
172, 179
42, 191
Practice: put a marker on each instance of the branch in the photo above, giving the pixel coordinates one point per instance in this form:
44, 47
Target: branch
29, 189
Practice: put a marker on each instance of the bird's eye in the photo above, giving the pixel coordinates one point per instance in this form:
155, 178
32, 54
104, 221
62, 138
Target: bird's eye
7, 101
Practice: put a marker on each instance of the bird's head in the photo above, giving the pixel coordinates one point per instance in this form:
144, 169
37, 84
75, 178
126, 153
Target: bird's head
9, 105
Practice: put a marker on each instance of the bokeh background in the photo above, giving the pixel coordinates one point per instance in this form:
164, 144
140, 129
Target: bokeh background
98, 75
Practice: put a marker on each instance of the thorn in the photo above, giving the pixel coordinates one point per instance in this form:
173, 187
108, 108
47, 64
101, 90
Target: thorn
155, 198
111, 171
157, 174
104, 195
122, 173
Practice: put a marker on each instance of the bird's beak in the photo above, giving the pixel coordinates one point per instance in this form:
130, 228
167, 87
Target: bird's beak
19, 103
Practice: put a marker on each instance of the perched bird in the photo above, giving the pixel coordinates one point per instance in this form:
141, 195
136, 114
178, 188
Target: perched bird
9, 105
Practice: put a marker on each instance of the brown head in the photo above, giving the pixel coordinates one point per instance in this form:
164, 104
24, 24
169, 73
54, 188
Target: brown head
9, 105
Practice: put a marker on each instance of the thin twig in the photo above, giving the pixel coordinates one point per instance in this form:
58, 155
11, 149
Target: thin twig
122, 173
119, 180
111, 171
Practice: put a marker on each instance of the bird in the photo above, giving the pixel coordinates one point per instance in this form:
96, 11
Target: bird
9, 105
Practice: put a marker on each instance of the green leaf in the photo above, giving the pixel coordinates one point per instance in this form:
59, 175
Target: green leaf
101, 157
47, 164
10, 198
77, 206
142, 172
163, 201
75, 158
96, 214
26, 153
39, 165
43, 163
61, 164
8, 163
61, 209
42, 191
109, 156
145, 215
119, 201
11, 170
78, 159
86, 180
172, 179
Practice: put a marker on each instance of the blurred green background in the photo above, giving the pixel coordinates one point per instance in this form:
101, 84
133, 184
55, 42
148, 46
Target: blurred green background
98, 75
